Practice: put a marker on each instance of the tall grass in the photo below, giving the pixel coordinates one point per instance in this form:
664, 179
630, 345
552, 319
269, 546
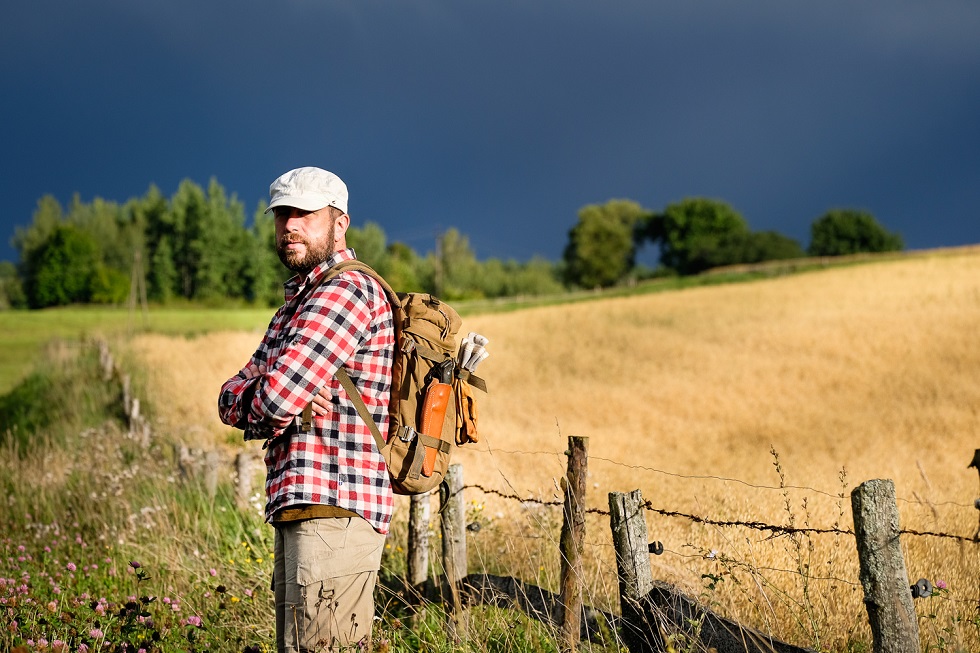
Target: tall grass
109, 543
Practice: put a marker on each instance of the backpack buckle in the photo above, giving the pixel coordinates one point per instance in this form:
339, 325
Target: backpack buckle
406, 433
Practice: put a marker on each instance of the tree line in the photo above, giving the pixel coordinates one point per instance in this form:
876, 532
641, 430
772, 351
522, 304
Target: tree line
197, 246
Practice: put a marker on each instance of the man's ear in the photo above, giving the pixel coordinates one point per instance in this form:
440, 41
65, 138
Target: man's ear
340, 228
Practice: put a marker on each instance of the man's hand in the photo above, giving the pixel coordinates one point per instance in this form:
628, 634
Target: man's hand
321, 404
253, 371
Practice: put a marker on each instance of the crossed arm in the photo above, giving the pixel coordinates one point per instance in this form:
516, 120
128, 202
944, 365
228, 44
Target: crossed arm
265, 396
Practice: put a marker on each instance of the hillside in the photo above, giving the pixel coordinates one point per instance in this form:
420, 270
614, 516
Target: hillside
869, 367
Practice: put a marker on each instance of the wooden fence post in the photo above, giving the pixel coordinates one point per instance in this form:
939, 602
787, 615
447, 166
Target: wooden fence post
453, 511
886, 583
629, 533
212, 466
243, 473
573, 543
418, 543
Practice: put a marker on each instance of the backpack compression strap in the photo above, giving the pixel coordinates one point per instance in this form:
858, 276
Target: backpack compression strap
417, 453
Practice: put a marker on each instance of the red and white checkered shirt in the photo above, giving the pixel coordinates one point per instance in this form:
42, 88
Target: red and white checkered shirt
345, 321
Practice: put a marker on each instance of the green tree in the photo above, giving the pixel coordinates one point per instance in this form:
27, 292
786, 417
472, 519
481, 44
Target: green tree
217, 244
108, 285
60, 271
407, 271
498, 278
456, 266
188, 209
369, 244
47, 217
756, 247
849, 231
153, 212
601, 249
264, 272
698, 233
11, 288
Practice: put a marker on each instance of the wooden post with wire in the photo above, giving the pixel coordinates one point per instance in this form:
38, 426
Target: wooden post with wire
453, 511
418, 546
894, 626
573, 543
629, 532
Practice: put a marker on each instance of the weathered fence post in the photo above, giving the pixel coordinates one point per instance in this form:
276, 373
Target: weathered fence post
572, 543
243, 472
629, 533
886, 583
418, 544
453, 511
212, 464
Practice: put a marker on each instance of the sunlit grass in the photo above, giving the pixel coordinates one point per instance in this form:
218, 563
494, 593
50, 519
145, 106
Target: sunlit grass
866, 371
23, 334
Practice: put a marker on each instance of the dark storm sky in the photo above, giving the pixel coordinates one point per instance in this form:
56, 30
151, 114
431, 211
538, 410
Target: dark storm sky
504, 117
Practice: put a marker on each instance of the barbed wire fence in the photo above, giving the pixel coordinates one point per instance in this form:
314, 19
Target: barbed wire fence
534, 539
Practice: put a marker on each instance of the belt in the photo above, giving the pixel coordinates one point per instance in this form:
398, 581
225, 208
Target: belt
311, 511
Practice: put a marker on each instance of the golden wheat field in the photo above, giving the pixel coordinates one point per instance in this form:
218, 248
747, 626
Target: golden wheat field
847, 374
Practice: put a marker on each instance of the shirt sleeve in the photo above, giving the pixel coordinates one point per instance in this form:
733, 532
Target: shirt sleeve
237, 393
328, 328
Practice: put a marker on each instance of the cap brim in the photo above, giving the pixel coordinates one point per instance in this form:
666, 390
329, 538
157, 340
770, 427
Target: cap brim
301, 203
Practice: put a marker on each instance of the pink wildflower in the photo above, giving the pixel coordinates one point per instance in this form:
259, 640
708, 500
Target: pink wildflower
95, 633
213, 571
71, 566
941, 584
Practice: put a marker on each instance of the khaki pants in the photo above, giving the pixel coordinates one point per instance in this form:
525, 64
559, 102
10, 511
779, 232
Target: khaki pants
324, 577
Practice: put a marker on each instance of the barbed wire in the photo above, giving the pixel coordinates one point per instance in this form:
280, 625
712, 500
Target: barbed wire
725, 479
776, 530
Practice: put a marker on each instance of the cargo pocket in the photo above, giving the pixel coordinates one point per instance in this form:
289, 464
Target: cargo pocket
321, 550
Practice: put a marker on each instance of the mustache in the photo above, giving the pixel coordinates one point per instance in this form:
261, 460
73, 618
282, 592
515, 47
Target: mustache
292, 238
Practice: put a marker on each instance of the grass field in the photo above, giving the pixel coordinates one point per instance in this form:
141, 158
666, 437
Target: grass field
765, 401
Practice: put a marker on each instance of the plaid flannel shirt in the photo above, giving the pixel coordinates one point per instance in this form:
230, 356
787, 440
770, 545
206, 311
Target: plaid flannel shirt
346, 321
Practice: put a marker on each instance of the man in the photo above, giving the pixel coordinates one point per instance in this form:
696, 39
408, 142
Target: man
327, 489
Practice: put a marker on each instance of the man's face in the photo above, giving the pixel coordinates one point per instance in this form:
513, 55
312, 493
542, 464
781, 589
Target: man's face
304, 239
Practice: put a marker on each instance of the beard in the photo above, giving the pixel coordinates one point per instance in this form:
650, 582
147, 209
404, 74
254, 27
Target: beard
316, 252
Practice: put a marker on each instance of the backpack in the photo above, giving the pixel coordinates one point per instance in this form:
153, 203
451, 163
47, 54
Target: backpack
432, 405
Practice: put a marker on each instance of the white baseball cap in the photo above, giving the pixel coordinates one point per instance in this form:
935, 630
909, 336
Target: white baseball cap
308, 189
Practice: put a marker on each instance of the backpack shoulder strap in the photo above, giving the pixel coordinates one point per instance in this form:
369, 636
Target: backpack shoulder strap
362, 409
360, 266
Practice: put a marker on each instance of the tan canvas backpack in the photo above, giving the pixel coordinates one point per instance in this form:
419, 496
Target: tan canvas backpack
432, 407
